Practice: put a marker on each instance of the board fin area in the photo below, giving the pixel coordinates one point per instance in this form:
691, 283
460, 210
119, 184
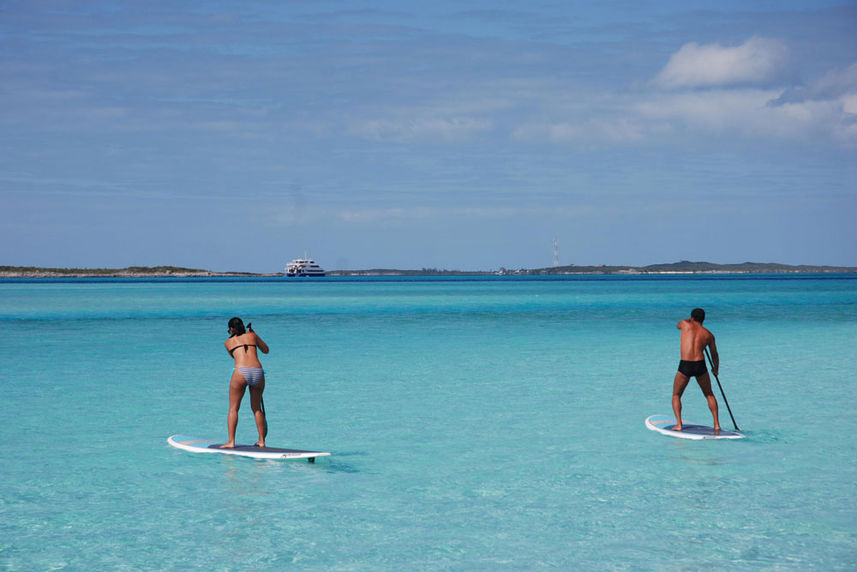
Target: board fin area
196, 445
664, 424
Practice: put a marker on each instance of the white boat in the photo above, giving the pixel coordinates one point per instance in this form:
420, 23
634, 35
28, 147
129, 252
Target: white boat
303, 267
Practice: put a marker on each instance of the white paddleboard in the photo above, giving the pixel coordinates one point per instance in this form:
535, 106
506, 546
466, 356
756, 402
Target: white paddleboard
195, 445
664, 424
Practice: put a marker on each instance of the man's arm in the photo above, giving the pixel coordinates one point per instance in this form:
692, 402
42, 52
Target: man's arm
715, 357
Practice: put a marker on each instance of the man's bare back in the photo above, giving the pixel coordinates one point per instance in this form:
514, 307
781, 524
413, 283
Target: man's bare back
694, 339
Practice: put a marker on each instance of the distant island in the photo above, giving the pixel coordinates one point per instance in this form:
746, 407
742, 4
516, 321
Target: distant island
683, 267
129, 272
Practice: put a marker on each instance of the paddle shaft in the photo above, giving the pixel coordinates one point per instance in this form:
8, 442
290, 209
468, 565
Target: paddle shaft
265, 415
729, 409
261, 399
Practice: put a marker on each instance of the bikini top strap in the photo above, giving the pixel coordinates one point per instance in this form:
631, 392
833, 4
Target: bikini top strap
239, 345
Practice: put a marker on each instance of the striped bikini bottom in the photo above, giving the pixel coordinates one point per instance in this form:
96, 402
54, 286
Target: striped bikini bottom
252, 375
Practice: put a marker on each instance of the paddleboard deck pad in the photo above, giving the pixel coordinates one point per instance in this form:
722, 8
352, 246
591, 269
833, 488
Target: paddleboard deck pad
195, 445
664, 424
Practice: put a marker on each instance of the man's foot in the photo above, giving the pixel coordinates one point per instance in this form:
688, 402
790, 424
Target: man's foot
230, 445
676, 427
717, 430
259, 444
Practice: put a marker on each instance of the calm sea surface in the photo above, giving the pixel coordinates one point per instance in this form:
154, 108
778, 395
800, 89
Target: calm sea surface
473, 424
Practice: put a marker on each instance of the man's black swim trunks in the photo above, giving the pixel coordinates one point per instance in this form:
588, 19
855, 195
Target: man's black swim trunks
692, 368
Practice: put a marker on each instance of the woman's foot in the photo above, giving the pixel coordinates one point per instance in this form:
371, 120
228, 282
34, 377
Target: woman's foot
230, 445
259, 444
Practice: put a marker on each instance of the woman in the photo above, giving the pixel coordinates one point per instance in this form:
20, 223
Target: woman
243, 346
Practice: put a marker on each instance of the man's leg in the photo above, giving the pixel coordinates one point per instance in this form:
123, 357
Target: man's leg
679, 384
704, 382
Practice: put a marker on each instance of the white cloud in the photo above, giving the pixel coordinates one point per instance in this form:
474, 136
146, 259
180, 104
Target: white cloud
828, 103
756, 61
720, 89
849, 103
837, 82
284, 216
414, 213
750, 112
394, 129
609, 130
714, 109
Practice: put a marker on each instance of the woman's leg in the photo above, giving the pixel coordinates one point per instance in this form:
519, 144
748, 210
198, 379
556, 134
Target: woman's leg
256, 406
236, 393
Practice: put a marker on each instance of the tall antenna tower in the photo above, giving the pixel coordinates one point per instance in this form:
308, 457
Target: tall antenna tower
555, 252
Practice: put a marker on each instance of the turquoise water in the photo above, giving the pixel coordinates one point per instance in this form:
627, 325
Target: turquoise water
473, 424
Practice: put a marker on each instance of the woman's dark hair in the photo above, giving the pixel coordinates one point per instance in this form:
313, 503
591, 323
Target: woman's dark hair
237, 326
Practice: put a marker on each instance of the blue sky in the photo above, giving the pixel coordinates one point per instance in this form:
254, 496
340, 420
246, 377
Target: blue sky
449, 134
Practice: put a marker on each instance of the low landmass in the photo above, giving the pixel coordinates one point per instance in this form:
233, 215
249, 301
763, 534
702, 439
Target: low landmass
687, 267
129, 272
683, 267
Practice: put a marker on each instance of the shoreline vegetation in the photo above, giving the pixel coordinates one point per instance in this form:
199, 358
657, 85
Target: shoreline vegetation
683, 267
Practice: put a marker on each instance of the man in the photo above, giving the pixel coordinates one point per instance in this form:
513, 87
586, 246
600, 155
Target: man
694, 339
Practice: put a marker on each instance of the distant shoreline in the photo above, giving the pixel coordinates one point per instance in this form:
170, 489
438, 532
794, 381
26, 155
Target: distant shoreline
684, 267
130, 272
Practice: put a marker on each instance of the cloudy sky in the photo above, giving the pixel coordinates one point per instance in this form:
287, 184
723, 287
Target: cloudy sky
463, 134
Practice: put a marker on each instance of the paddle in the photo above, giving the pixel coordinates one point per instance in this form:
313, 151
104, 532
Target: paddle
729, 409
265, 415
261, 399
